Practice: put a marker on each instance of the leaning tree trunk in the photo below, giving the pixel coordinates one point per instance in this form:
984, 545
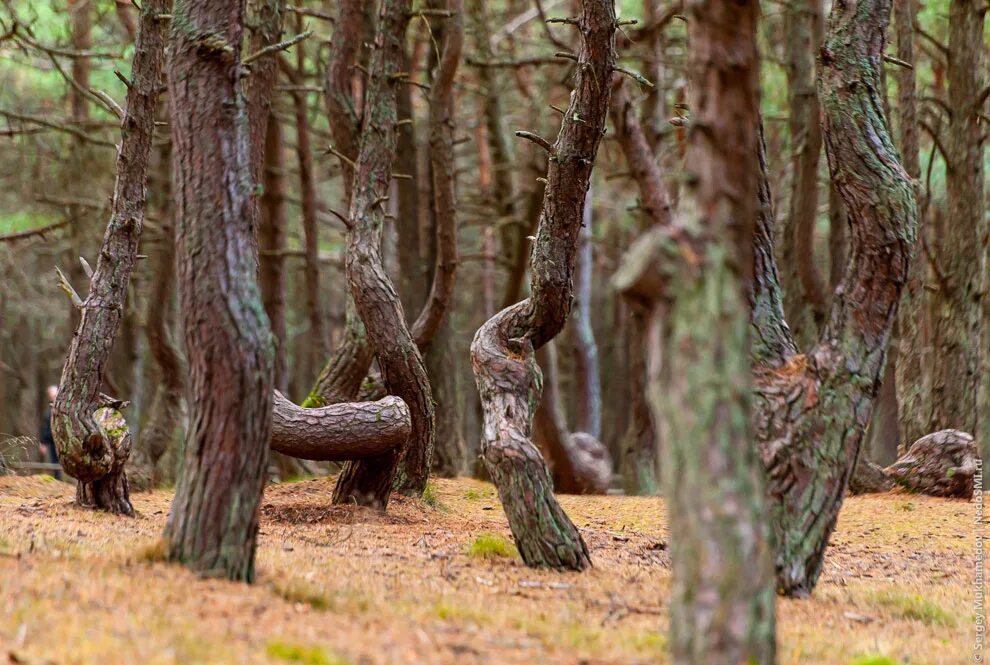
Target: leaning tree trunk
502, 352
812, 409
369, 482
93, 445
695, 275
213, 525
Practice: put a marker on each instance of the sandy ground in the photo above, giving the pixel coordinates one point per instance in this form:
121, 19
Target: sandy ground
343, 586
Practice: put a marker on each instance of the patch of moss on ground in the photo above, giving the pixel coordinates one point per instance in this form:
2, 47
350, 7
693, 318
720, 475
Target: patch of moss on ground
492, 546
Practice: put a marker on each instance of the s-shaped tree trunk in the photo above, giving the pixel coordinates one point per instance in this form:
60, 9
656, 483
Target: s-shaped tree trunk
94, 442
213, 525
812, 409
502, 353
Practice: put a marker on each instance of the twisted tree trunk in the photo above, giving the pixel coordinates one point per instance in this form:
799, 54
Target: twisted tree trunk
502, 352
369, 482
812, 409
91, 448
214, 520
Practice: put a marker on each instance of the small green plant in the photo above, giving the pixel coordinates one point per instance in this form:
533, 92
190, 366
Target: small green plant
874, 660
907, 507
491, 546
473, 495
431, 499
295, 653
913, 607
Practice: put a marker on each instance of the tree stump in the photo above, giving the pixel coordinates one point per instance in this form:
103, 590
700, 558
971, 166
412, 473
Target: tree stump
940, 464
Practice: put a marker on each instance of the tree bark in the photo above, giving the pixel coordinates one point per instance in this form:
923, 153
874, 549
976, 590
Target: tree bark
579, 463
588, 379
346, 368
955, 356
369, 482
804, 293
271, 245
502, 353
722, 605
88, 451
914, 344
812, 410
213, 525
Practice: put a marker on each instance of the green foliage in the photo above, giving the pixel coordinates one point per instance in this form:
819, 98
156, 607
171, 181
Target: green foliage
431, 499
308, 655
913, 607
874, 660
491, 546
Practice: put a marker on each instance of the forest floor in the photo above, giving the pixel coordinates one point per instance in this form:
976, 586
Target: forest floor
340, 585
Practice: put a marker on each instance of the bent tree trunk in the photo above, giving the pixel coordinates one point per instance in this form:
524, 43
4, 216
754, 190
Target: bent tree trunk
695, 274
369, 482
502, 353
214, 520
89, 449
812, 409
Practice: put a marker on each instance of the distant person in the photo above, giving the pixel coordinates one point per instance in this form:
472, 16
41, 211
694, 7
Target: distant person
46, 445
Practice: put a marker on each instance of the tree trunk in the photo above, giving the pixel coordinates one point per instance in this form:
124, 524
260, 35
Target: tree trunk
722, 605
88, 451
804, 293
271, 246
369, 482
589, 385
812, 410
579, 463
347, 366
214, 520
955, 356
913, 342
502, 353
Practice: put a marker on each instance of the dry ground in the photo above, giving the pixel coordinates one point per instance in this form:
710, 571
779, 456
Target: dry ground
346, 586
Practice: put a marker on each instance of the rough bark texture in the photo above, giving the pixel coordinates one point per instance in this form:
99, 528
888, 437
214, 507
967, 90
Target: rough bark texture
375, 298
88, 450
265, 23
271, 245
432, 329
804, 292
913, 338
502, 353
579, 463
696, 276
340, 431
940, 464
812, 410
214, 520
955, 356
442, 169
869, 478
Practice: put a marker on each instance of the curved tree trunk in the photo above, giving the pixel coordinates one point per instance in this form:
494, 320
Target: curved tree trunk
88, 451
502, 353
811, 412
369, 482
214, 520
